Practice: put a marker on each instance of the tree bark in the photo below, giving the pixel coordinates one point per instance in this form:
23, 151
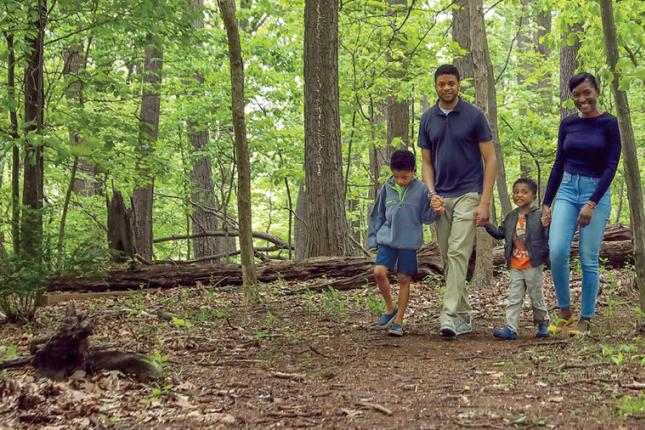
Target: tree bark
568, 66
327, 226
630, 157
461, 35
120, 226
201, 173
15, 152
398, 110
300, 228
32, 196
485, 98
142, 197
73, 63
227, 9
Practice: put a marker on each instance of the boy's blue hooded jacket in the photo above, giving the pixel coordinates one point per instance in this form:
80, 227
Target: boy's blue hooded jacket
398, 216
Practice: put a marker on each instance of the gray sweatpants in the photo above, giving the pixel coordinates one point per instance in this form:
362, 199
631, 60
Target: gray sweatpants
523, 281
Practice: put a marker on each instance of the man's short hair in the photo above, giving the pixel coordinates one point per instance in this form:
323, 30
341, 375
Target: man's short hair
402, 159
446, 69
529, 182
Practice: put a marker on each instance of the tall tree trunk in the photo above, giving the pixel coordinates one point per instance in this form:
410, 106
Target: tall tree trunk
398, 110
73, 63
461, 35
249, 275
300, 229
15, 152
485, 98
32, 196
142, 196
3, 250
201, 173
630, 157
327, 228
568, 66
523, 51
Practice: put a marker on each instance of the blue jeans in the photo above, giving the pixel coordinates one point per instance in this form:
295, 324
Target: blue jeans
574, 191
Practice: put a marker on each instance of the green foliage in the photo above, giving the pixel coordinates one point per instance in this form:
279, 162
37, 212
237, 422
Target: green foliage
22, 283
630, 406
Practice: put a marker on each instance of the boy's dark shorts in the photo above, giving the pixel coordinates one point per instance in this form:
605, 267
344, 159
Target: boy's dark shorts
406, 259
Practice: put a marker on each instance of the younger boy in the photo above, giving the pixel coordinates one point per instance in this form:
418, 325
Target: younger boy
525, 250
396, 230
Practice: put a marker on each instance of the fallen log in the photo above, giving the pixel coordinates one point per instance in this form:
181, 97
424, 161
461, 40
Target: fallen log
342, 273
59, 354
336, 269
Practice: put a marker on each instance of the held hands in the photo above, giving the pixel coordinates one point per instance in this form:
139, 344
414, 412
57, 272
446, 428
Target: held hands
437, 203
546, 215
481, 215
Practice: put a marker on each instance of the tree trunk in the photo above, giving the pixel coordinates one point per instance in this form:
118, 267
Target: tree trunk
73, 62
630, 158
568, 66
398, 110
15, 153
485, 98
461, 35
201, 173
227, 9
32, 196
148, 130
120, 226
300, 229
523, 52
327, 227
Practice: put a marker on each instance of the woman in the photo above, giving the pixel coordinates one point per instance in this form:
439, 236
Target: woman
585, 164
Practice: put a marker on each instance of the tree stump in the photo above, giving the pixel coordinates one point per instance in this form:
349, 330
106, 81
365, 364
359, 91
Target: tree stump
60, 354
120, 234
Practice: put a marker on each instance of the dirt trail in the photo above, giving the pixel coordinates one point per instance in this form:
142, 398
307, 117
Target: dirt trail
318, 361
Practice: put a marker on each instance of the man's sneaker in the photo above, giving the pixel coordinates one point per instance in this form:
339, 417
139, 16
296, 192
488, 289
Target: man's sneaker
396, 330
505, 333
386, 319
463, 327
581, 328
558, 324
542, 329
448, 328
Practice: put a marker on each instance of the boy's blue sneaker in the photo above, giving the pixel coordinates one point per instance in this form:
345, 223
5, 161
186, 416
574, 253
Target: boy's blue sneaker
386, 319
542, 329
396, 330
505, 333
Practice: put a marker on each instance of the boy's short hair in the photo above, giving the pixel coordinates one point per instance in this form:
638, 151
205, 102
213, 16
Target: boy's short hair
528, 181
402, 159
446, 69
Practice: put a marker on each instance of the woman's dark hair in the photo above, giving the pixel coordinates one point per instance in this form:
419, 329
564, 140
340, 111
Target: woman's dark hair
403, 159
446, 69
580, 78
529, 182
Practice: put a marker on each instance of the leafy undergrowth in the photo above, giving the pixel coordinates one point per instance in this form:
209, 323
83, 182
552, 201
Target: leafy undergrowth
317, 360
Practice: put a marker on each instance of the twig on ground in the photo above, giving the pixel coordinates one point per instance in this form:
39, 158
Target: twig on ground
318, 352
290, 376
380, 408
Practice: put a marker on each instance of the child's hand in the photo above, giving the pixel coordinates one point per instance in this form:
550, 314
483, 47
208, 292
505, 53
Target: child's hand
437, 203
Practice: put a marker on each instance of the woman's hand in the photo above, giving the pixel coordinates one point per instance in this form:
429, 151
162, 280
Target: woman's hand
584, 218
546, 215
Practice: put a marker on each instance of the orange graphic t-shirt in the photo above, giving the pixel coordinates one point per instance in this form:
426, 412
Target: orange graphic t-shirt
520, 258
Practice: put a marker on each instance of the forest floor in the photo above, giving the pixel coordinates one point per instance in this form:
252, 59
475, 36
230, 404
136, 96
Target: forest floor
318, 360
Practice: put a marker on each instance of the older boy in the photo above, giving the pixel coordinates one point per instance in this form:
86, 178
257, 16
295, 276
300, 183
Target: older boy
396, 230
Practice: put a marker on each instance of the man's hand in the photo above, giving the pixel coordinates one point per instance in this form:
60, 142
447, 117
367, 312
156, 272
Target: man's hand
546, 215
481, 215
438, 204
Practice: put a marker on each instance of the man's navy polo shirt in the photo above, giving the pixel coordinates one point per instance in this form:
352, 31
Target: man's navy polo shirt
453, 141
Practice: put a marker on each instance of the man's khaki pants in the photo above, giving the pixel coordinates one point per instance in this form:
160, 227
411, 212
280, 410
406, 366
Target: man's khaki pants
456, 236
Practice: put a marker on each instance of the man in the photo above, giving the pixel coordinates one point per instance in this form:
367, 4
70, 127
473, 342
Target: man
454, 137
